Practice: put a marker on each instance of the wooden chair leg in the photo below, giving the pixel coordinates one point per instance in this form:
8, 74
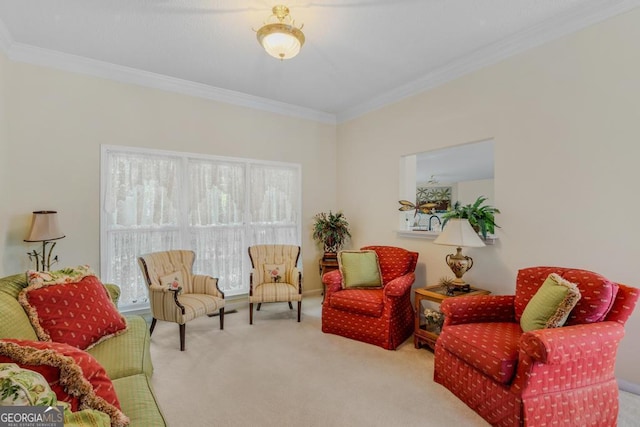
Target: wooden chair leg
290, 306
251, 313
259, 305
222, 318
182, 334
153, 326
299, 307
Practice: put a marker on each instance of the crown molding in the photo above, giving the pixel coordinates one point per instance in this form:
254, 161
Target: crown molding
550, 30
20, 52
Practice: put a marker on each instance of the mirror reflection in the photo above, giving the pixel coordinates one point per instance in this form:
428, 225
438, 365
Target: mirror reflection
434, 180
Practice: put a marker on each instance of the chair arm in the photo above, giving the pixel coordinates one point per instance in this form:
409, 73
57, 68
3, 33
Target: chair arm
570, 343
296, 279
157, 288
400, 285
478, 308
203, 284
332, 282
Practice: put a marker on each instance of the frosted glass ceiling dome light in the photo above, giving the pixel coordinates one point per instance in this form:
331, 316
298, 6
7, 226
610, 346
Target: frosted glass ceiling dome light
279, 36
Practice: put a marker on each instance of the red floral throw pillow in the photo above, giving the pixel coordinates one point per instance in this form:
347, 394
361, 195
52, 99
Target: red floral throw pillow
73, 375
79, 313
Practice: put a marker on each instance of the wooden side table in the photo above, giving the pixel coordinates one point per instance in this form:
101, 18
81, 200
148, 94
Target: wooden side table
327, 263
422, 334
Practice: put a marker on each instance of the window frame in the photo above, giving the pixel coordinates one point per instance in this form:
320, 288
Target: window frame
184, 228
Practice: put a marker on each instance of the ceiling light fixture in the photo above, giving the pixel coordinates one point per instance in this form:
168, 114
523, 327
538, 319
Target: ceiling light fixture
279, 36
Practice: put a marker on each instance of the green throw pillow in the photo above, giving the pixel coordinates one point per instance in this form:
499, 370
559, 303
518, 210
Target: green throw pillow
360, 269
551, 305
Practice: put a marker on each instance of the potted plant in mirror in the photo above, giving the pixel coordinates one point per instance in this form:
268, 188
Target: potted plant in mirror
331, 230
480, 216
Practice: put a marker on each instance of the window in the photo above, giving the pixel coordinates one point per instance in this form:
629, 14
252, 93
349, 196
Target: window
158, 200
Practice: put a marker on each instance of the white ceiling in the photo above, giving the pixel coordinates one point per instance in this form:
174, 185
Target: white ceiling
359, 54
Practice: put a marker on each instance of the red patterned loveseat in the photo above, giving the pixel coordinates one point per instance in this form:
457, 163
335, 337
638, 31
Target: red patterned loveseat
383, 317
546, 377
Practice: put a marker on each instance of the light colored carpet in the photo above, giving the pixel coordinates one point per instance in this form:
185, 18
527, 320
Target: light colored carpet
282, 373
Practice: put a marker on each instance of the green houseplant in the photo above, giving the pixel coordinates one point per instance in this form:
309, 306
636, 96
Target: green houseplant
480, 216
331, 230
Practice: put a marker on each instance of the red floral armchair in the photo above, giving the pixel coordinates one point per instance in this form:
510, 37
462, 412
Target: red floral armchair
383, 317
546, 377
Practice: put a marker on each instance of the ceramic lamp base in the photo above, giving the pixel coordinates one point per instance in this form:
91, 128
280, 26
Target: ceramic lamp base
459, 264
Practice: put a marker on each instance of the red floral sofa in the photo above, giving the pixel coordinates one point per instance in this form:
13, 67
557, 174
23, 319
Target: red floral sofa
545, 377
383, 317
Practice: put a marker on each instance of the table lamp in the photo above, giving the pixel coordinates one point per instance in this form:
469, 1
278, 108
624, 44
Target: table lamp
44, 228
458, 232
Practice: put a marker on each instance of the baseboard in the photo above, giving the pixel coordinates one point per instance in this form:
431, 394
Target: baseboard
312, 292
629, 386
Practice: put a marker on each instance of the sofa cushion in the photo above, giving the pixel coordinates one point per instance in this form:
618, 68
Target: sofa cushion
489, 347
76, 313
551, 305
14, 322
598, 295
74, 375
12, 285
86, 418
359, 269
128, 353
139, 402
361, 301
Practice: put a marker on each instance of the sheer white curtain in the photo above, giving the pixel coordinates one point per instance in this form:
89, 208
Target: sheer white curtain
218, 207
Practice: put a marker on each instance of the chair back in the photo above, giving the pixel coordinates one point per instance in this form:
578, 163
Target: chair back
156, 265
600, 298
623, 306
394, 262
262, 255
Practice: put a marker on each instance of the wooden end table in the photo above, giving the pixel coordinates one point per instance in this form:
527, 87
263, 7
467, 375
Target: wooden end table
327, 263
422, 334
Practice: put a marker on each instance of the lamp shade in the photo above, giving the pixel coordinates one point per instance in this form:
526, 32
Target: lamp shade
458, 232
44, 227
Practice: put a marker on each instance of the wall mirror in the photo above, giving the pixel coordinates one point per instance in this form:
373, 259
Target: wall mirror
438, 178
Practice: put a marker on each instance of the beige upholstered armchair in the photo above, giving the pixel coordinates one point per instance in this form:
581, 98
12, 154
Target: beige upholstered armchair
274, 276
175, 293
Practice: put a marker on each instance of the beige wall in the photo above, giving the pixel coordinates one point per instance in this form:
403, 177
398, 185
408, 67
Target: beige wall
59, 119
565, 119
4, 160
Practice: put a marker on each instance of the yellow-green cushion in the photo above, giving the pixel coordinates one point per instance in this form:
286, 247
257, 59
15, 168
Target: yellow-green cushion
139, 402
128, 353
14, 322
86, 418
551, 305
360, 269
